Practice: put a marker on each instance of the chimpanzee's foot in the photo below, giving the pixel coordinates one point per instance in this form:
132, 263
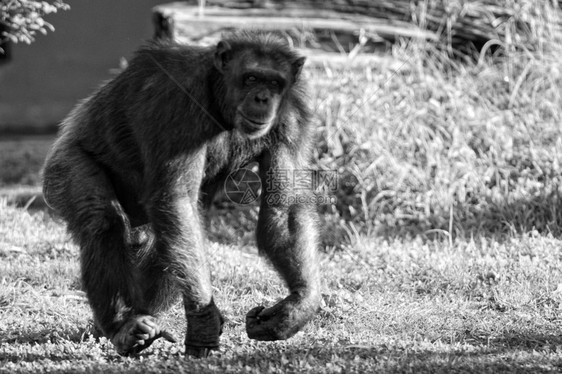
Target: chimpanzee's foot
139, 333
282, 320
204, 328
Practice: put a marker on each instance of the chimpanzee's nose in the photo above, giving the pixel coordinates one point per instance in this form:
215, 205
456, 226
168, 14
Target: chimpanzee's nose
261, 97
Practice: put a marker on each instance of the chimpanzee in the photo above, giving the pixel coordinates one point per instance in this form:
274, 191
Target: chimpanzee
134, 162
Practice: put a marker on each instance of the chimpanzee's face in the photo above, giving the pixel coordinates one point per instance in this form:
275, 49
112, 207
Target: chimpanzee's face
259, 89
255, 86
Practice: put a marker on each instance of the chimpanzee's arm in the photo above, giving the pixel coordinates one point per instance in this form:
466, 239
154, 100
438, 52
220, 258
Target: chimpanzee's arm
287, 234
179, 250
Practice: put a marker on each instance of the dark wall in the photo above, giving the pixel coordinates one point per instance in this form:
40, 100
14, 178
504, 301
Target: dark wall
41, 82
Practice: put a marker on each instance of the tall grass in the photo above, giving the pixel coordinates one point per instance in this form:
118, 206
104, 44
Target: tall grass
442, 146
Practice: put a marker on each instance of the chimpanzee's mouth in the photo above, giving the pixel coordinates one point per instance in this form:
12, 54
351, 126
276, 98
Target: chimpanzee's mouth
253, 123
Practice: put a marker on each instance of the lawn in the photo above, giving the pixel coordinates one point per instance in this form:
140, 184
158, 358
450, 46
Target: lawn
479, 306
442, 253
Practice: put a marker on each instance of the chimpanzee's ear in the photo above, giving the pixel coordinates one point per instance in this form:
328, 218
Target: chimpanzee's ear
223, 54
297, 67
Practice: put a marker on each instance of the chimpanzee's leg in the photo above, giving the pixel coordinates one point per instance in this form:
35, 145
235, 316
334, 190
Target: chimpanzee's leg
80, 191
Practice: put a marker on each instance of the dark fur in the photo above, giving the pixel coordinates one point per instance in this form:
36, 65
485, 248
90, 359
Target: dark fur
132, 162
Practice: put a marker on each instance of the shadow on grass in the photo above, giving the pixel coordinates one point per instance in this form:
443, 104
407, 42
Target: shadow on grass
512, 353
541, 213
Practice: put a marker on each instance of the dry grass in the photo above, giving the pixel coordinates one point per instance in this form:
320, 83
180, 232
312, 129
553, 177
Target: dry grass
439, 147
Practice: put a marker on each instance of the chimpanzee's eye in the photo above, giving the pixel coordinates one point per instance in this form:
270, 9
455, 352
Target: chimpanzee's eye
251, 79
275, 83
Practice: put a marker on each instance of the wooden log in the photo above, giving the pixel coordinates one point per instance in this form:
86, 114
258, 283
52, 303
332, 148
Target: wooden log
187, 23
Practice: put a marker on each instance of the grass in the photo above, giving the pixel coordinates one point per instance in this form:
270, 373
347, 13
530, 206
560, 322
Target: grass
394, 306
439, 146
